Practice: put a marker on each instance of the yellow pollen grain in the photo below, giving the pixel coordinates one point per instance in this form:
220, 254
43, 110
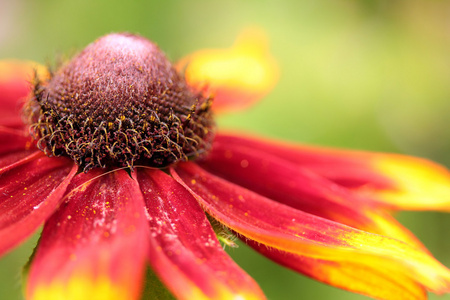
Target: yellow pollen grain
193, 181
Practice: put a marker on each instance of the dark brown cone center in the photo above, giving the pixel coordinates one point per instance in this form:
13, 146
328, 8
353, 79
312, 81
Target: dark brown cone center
120, 102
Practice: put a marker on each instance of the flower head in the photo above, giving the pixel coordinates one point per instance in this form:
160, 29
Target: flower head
119, 102
123, 168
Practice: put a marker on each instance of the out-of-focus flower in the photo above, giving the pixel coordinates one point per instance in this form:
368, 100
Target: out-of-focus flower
236, 77
124, 160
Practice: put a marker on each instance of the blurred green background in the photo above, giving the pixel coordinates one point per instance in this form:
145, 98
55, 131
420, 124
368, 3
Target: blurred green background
360, 74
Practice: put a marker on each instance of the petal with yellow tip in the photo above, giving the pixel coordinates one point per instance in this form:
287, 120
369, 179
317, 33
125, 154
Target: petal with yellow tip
413, 183
235, 77
184, 251
95, 245
300, 188
391, 181
371, 281
287, 229
82, 286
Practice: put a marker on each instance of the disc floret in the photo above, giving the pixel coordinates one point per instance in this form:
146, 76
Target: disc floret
120, 102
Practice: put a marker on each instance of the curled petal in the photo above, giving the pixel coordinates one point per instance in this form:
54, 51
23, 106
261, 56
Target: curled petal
29, 193
94, 246
15, 84
372, 281
389, 180
184, 251
236, 77
290, 230
300, 188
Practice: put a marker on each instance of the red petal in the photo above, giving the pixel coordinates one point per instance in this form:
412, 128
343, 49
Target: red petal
14, 146
15, 84
185, 251
376, 282
13, 140
282, 227
94, 246
388, 180
298, 187
29, 194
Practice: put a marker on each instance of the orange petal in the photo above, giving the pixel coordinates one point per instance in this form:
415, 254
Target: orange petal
236, 77
392, 181
95, 245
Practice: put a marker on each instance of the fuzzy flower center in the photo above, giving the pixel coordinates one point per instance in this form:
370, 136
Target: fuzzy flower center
117, 103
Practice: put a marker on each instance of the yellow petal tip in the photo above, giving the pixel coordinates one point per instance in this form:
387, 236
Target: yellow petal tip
12, 69
418, 184
237, 76
81, 288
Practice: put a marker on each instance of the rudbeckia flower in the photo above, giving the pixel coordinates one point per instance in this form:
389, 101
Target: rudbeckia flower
117, 155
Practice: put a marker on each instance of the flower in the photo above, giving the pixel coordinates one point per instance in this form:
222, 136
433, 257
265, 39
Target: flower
125, 161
